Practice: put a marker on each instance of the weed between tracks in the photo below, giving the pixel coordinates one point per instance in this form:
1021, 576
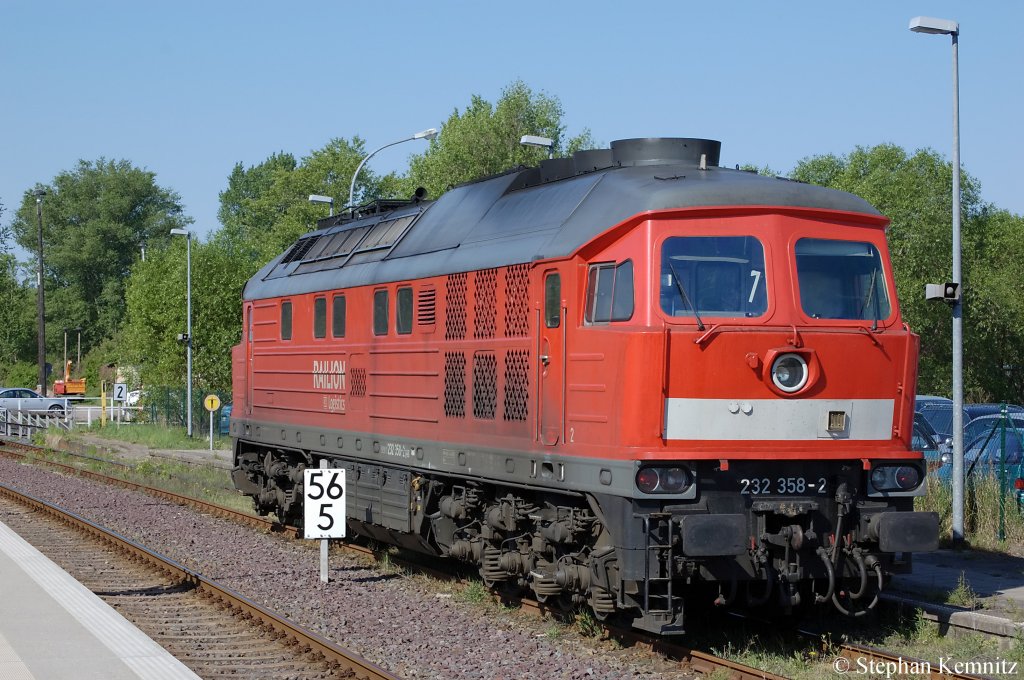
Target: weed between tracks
206, 483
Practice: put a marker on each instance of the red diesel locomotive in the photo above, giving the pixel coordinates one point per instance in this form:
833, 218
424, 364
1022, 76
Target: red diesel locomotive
625, 379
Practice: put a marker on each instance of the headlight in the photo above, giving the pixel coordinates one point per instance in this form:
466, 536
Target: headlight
895, 478
789, 372
670, 480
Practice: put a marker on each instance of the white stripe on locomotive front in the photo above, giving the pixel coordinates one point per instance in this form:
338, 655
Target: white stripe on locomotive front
776, 419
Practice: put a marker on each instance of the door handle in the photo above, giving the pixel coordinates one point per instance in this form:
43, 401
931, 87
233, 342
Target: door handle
545, 359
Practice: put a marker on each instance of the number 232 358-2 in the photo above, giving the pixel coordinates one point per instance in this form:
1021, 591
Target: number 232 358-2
758, 486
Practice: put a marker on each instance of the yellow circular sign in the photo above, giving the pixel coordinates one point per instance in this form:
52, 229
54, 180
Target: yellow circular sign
211, 402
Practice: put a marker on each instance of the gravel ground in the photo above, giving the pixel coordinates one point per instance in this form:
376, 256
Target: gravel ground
408, 625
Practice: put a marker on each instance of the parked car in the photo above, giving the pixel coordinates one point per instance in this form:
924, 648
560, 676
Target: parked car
224, 426
28, 401
982, 425
922, 399
978, 410
928, 442
939, 415
982, 457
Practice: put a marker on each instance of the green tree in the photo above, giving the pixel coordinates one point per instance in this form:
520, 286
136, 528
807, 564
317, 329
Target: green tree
915, 192
156, 314
266, 207
484, 139
96, 219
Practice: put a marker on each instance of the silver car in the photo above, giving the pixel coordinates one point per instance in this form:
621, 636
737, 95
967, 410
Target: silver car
27, 401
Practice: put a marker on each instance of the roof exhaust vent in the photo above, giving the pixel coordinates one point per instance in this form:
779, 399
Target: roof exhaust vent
666, 151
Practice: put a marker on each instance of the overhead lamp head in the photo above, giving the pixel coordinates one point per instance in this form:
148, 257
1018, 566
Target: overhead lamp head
179, 232
934, 26
317, 198
39, 192
534, 140
426, 134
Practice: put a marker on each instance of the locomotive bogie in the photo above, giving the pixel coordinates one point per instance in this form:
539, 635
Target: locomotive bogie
619, 387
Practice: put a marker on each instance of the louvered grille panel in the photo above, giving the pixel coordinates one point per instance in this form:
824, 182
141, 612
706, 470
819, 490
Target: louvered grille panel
426, 307
517, 301
485, 309
455, 307
455, 384
517, 384
485, 385
358, 382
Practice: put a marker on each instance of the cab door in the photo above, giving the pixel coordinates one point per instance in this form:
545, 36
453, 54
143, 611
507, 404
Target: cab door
248, 360
551, 362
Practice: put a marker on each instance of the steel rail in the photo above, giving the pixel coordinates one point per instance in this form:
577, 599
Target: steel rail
345, 660
699, 661
887, 664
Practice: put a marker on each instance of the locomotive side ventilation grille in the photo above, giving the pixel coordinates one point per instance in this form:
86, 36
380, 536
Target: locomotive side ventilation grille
455, 384
426, 307
485, 385
517, 301
517, 384
485, 316
300, 248
455, 307
358, 382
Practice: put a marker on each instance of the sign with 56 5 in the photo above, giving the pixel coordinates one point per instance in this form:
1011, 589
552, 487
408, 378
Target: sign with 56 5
324, 503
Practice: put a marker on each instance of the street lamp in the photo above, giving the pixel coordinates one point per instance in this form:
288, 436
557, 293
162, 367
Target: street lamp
425, 134
40, 301
544, 142
952, 29
187, 338
317, 198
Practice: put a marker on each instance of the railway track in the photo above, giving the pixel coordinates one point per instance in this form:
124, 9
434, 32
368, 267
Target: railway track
211, 629
857, 656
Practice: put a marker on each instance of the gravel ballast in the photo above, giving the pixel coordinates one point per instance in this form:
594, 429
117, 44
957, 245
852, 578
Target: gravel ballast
407, 625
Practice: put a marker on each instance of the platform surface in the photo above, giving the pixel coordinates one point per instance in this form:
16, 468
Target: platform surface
989, 589
53, 628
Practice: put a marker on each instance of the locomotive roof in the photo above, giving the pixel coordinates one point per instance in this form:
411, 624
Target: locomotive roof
528, 214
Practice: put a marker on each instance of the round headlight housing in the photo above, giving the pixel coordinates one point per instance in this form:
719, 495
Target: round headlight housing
789, 372
647, 480
667, 479
907, 477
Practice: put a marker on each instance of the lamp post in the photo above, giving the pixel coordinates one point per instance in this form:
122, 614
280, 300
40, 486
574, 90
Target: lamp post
952, 29
317, 198
425, 134
544, 142
188, 332
40, 301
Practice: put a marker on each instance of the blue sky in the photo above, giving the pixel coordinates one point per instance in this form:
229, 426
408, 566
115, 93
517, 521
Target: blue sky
187, 89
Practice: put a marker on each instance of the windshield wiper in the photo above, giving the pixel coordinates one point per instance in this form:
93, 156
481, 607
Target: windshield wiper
682, 293
867, 301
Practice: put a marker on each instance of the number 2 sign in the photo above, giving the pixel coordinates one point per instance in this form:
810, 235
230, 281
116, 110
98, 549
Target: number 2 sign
324, 503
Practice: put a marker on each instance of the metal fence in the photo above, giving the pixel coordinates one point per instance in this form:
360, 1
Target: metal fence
168, 406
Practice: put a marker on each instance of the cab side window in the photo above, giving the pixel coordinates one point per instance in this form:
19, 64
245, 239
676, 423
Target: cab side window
609, 292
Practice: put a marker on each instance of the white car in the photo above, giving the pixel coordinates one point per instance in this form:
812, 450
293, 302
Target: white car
28, 401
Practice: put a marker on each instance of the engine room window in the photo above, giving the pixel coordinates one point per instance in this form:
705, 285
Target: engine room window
380, 312
403, 315
610, 292
841, 280
713, 276
320, 317
286, 320
552, 300
338, 317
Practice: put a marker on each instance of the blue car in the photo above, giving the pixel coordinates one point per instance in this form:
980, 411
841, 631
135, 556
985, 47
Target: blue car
224, 426
982, 457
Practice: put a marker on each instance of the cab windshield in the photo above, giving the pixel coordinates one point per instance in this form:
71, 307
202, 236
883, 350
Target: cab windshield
841, 280
713, 276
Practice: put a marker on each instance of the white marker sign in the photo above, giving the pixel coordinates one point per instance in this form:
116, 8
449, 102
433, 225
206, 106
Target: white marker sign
324, 504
